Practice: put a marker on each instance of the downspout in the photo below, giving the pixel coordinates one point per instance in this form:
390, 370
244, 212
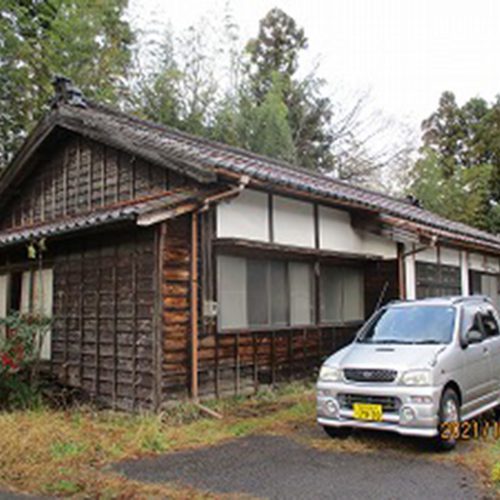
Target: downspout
194, 288
194, 306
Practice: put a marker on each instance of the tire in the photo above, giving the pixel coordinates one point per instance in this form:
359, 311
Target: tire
449, 411
337, 432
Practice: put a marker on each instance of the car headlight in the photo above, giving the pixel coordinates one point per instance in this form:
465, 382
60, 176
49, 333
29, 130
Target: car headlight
417, 377
329, 374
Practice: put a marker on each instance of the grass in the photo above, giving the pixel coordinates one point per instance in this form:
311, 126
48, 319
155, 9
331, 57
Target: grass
68, 453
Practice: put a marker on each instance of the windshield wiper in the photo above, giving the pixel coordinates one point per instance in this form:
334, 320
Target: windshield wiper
388, 341
429, 341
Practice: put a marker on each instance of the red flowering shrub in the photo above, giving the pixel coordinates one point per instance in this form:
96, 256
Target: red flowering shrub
21, 339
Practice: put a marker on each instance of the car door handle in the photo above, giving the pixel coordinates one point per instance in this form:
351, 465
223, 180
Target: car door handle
485, 350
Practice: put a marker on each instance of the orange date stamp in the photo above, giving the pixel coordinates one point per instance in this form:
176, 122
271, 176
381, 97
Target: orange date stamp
470, 429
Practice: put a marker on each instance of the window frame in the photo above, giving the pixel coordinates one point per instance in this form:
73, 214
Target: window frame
435, 278
342, 321
314, 264
27, 308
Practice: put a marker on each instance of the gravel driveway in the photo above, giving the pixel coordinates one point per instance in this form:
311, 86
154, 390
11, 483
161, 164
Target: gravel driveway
277, 467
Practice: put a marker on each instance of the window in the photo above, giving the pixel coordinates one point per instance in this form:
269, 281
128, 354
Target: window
342, 294
301, 293
37, 297
470, 321
264, 293
485, 284
4, 283
28, 292
434, 280
232, 291
490, 325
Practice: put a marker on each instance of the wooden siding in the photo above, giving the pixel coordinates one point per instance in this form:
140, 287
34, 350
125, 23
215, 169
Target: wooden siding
176, 307
79, 176
103, 332
229, 362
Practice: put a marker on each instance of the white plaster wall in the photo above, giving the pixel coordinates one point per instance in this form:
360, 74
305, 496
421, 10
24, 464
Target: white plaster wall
377, 245
293, 222
492, 265
464, 274
246, 217
450, 256
477, 262
410, 275
428, 255
337, 234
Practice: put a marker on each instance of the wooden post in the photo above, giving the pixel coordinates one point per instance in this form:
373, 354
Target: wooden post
194, 306
401, 271
255, 363
237, 363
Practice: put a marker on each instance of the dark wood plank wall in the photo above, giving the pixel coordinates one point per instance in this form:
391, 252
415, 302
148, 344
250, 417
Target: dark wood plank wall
102, 338
176, 308
104, 298
381, 284
229, 363
79, 176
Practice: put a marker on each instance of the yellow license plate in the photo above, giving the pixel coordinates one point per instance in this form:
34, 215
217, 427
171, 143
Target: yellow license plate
367, 411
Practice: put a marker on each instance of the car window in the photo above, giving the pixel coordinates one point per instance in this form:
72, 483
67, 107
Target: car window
490, 324
470, 321
413, 324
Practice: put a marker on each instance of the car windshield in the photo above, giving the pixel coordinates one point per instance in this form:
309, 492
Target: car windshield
410, 325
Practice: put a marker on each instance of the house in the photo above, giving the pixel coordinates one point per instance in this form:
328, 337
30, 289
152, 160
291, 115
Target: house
174, 266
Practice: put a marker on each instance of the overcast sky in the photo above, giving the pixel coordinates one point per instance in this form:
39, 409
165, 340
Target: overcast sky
405, 51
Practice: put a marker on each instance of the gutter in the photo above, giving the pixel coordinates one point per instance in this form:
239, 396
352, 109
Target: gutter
193, 206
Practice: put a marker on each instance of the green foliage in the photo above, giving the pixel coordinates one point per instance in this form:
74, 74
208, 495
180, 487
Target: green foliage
266, 108
458, 174
276, 51
86, 40
21, 342
270, 130
181, 90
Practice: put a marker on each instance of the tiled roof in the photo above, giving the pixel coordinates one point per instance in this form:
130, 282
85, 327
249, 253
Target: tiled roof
120, 212
205, 160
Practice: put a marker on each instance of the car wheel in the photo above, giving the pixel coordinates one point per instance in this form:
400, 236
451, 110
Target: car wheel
449, 413
338, 432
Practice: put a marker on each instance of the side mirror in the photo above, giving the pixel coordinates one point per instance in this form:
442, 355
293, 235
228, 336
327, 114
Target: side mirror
473, 336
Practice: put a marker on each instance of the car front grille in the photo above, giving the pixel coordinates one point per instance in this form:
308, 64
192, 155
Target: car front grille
369, 375
389, 403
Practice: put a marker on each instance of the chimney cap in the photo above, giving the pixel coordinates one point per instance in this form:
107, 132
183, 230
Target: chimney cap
65, 92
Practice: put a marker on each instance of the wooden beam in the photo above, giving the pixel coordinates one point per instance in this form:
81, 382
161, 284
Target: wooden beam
235, 244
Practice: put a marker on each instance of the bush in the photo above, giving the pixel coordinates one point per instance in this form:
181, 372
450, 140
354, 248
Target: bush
21, 340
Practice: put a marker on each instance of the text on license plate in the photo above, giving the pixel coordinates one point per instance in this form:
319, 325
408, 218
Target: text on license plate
364, 411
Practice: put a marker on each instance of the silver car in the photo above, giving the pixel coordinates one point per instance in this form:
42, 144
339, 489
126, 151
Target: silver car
414, 368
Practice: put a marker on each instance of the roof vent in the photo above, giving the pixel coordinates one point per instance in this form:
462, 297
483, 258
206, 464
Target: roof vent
67, 93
